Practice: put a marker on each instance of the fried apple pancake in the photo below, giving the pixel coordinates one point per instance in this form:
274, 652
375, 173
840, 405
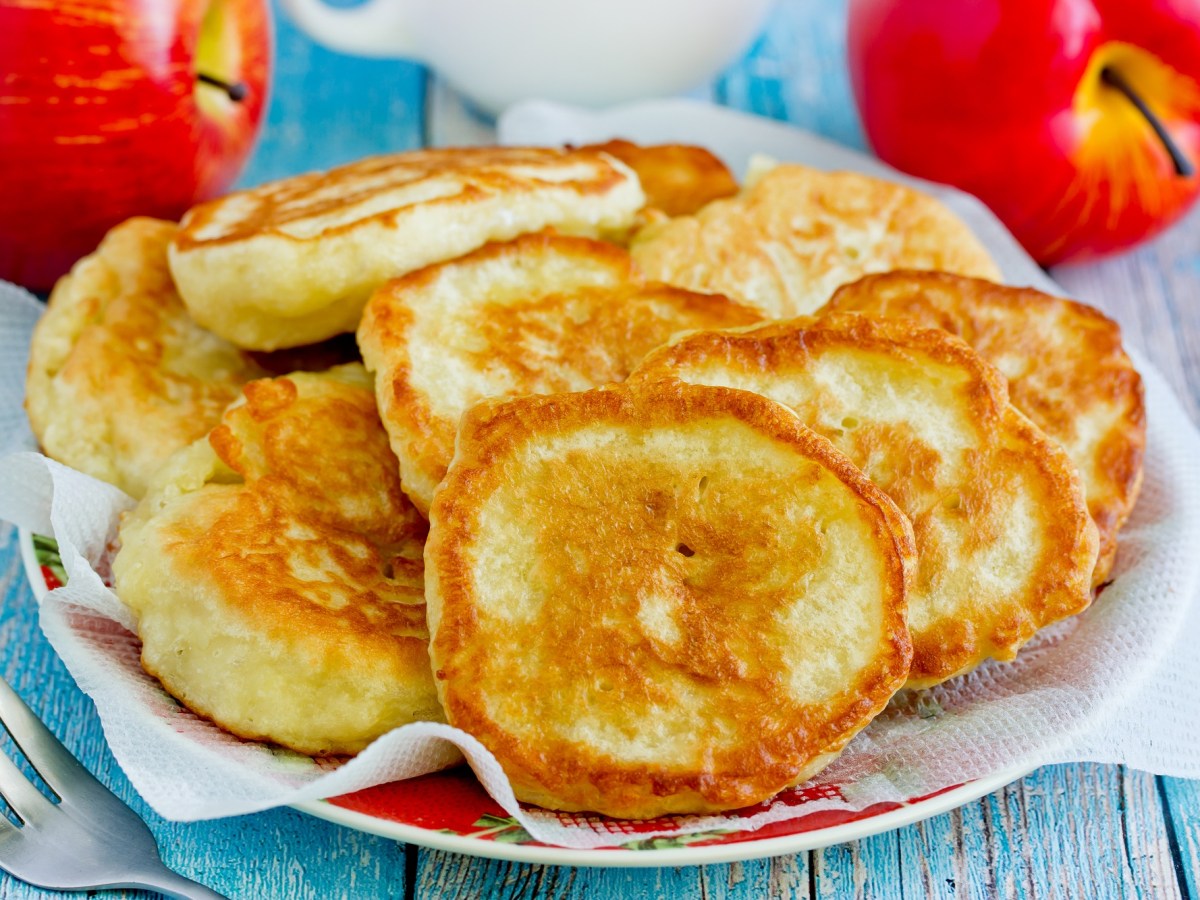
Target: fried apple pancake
1065, 366
669, 599
678, 179
294, 261
794, 234
275, 569
1004, 542
119, 376
538, 315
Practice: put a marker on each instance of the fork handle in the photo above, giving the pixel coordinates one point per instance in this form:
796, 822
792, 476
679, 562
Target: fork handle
170, 884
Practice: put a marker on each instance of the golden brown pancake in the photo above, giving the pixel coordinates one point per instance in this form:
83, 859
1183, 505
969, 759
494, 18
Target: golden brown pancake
668, 599
678, 179
293, 262
538, 315
119, 376
275, 569
794, 234
1065, 366
1004, 541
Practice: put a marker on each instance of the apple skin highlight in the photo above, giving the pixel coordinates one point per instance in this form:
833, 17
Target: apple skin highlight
1006, 99
102, 118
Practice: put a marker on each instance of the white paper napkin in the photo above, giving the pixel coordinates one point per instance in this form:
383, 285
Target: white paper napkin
1116, 684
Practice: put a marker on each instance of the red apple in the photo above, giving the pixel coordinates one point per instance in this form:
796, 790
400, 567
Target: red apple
1076, 121
114, 108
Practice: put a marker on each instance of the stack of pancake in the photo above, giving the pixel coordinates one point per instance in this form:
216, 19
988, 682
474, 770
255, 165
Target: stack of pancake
659, 487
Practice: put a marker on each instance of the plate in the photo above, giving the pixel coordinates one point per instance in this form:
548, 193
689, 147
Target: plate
451, 810
1110, 658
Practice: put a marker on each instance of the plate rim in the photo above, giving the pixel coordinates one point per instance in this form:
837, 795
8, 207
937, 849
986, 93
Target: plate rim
619, 857
690, 855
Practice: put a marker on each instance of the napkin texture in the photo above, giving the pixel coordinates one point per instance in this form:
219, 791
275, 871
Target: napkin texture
1115, 684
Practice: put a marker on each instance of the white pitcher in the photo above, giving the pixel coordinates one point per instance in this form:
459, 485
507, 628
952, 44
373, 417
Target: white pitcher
590, 52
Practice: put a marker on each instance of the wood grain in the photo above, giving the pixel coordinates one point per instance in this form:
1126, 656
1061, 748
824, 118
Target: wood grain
1181, 799
327, 109
796, 72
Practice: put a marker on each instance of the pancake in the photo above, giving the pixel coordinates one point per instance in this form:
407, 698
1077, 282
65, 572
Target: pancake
664, 600
119, 376
1004, 541
538, 315
794, 234
275, 569
1065, 366
678, 179
293, 262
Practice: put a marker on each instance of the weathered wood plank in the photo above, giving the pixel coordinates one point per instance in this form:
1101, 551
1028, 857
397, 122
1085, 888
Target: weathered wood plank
1181, 797
327, 108
1147, 844
796, 72
863, 869
929, 865
990, 842
788, 876
449, 875
1068, 831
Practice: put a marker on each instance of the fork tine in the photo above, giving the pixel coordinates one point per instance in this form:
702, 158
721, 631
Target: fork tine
10, 834
24, 798
91, 838
45, 753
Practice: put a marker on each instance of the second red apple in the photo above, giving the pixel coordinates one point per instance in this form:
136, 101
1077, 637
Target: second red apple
1076, 121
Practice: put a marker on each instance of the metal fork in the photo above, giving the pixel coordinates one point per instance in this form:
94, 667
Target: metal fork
89, 839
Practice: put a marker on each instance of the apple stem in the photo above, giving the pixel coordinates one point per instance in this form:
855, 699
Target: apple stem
235, 92
1114, 79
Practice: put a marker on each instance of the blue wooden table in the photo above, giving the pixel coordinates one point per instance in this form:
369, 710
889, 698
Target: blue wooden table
1064, 831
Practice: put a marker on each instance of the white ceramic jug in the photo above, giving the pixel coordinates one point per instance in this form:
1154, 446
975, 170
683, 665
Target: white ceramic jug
589, 52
